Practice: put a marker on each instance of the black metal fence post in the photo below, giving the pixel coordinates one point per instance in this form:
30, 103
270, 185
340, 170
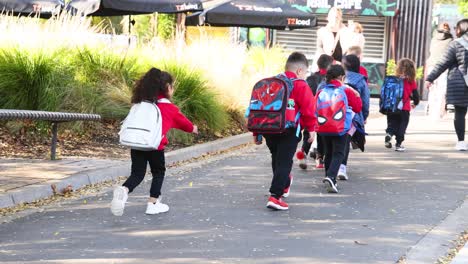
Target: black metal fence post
53, 148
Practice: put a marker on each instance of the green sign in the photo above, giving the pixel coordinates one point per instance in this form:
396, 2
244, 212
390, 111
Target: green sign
351, 7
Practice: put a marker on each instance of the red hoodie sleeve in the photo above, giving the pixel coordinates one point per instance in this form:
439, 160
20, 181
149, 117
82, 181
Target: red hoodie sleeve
180, 121
305, 104
354, 101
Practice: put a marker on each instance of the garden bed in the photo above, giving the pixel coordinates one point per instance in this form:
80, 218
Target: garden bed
29, 140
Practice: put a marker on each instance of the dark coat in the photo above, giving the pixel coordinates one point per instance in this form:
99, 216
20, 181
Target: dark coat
439, 45
454, 59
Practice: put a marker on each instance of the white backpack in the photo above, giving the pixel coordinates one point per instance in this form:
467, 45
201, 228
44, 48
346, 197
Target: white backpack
142, 128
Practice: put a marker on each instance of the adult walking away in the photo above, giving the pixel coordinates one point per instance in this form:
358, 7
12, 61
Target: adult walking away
439, 44
283, 144
455, 60
329, 37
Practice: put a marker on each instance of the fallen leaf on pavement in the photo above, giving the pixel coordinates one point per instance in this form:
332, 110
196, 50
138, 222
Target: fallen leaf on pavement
359, 243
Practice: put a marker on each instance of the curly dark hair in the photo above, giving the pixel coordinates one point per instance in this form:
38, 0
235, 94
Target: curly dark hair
154, 83
407, 69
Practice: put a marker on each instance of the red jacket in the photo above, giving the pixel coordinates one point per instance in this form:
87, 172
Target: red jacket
303, 102
354, 101
363, 72
172, 118
408, 88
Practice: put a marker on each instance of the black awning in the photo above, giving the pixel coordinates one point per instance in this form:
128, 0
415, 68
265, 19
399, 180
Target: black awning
43, 8
274, 14
130, 7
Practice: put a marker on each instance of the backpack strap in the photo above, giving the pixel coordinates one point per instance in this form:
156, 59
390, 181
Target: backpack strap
164, 101
290, 83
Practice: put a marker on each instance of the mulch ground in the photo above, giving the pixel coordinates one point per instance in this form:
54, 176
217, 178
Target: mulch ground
23, 139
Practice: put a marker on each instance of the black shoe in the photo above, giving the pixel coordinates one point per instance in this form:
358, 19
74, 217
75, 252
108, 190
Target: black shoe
330, 185
388, 138
313, 154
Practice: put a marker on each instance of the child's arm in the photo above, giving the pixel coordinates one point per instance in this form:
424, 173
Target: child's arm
354, 100
306, 103
365, 98
181, 122
415, 96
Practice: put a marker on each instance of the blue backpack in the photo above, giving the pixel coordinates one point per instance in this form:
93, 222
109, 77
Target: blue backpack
391, 95
334, 117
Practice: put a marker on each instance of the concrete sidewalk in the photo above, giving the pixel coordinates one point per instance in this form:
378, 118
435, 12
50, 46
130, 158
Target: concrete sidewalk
395, 204
27, 180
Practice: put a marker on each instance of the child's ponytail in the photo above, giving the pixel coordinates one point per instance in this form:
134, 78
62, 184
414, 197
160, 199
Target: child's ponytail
153, 84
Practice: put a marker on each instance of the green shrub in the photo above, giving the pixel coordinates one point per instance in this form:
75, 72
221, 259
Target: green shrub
33, 80
195, 98
166, 26
101, 82
268, 61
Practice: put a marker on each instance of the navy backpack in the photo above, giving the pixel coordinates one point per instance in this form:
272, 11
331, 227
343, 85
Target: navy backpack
391, 95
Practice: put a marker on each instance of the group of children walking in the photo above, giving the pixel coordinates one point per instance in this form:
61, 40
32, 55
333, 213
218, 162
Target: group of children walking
333, 114
332, 105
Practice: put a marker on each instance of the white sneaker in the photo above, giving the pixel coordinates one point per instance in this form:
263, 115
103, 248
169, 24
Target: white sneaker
156, 208
461, 146
119, 200
400, 148
330, 185
342, 175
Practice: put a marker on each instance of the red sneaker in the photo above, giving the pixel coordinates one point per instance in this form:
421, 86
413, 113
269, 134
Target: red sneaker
287, 189
277, 204
319, 164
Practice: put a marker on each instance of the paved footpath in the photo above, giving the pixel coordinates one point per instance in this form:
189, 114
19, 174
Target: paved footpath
218, 213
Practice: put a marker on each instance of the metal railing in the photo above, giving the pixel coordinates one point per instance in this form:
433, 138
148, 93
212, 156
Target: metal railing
53, 117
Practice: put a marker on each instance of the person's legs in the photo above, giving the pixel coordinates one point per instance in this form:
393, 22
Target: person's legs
320, 151
404, 121
302, 154
338, 153
306, 145
347, 149
158, 169
328, 149
286, 147
335, 147
138, 170
272, 144
459, 122
393, 121
342, 172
